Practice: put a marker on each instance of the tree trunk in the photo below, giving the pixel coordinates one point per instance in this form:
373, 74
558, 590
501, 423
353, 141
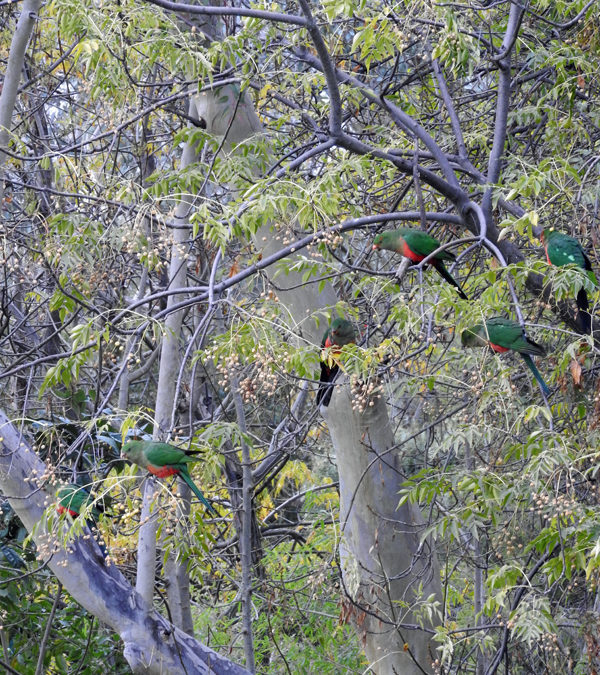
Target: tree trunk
387, 570
178, 588
12, 77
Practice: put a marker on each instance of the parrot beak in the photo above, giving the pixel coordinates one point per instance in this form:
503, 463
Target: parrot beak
375, 247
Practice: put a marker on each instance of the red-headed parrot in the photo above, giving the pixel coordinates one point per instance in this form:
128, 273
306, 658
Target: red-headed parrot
74, 499
561, 249
163, 460
340, 333
416, 246
502, 335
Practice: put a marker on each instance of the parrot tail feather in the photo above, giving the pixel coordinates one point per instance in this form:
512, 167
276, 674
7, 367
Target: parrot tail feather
536, 373
194, 488
325, 384
584, 318
443, 272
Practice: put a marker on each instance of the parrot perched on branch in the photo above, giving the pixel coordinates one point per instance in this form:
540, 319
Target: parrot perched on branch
74, 499
503, 335
163, 460
561, 249
416, 246
340, 333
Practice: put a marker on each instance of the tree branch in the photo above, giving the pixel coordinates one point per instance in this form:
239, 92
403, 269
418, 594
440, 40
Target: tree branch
246, 527
229, 11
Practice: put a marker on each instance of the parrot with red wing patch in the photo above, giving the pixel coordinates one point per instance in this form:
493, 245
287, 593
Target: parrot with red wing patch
340, 333
163, 460
561, 249
73, 499
416, 245
503, 335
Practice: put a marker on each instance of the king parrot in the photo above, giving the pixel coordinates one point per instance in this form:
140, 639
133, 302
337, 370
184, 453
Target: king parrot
340, 333
561, 249
416, 246
164, 459
503, 335
73, 498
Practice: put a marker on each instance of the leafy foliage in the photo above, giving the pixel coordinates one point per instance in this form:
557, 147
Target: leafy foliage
90, 214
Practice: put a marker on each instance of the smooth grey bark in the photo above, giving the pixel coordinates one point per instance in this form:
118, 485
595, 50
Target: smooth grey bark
515, 17
170, 357
388, 571
384, 560
12, 77
176, 575
152, 645
300, 300
178, 588
8, 98
146, 549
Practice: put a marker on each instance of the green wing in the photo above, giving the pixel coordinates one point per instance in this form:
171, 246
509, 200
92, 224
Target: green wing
503, 332
73, 497
424, 244
565, 250
509, 334
165, 454
76, 498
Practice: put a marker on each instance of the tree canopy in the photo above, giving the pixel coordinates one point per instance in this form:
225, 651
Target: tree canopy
190, 196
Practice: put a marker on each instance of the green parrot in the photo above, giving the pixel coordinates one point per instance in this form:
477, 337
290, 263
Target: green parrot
162, 460
340, 333
416, 246
73, 498
502, 335
561, 249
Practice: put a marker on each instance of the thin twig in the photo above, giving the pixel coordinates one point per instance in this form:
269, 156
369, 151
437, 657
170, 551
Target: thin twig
44, 644
246, 527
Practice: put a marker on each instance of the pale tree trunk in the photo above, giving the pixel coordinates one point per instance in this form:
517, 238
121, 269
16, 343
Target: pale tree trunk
386, 567
151, 644
8, 98
12, 77
302, 301
178, 586
148, 165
